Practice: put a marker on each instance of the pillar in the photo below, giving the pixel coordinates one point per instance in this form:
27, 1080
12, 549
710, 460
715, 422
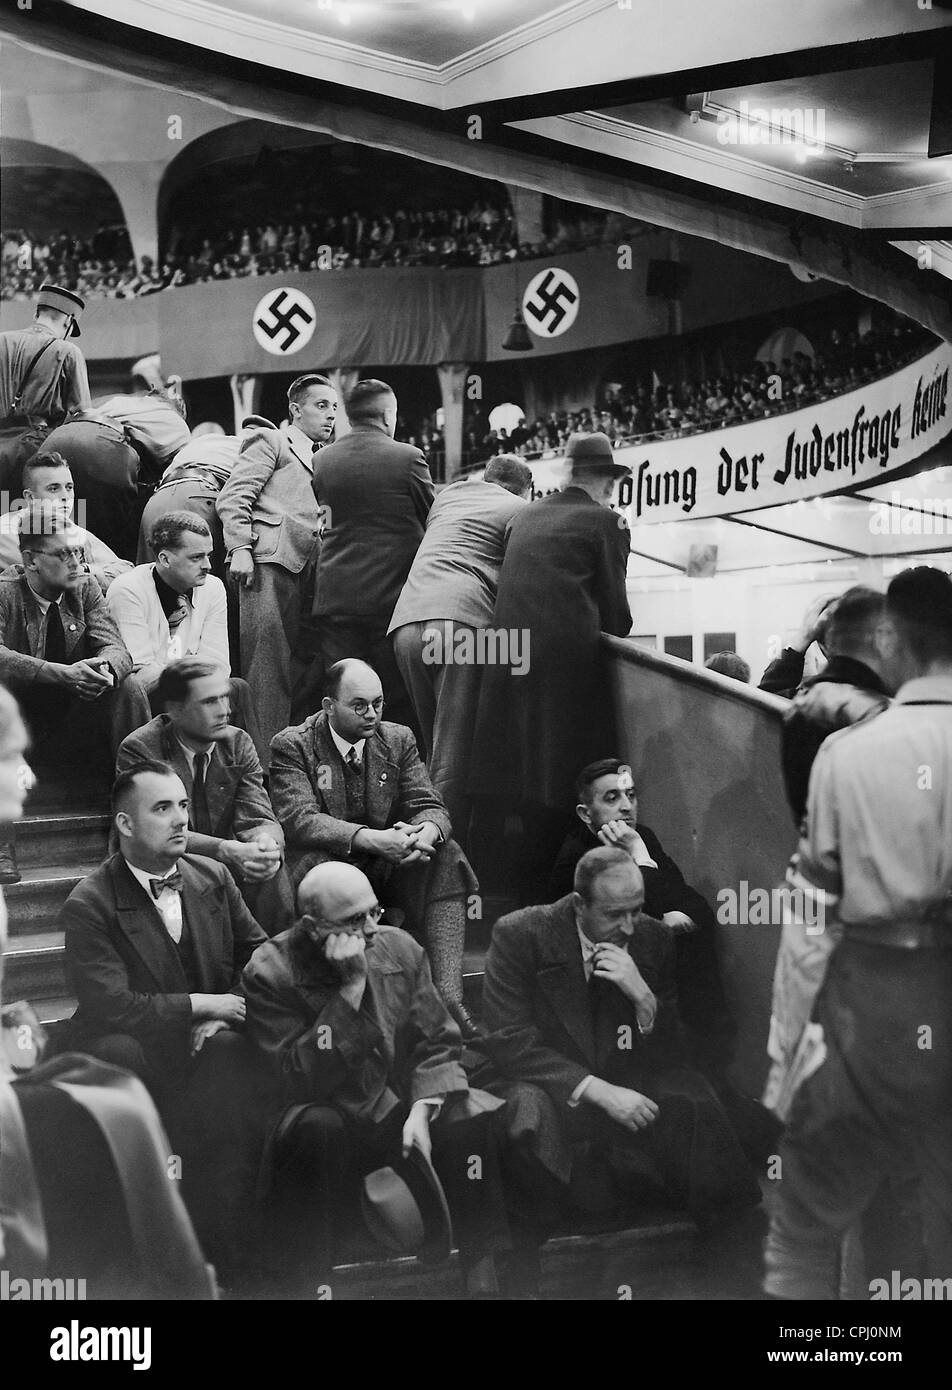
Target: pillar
343, 380
245, 397
452, 377
527, 212
136, 185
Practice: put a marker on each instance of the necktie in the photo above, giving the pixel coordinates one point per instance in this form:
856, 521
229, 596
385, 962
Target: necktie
201, 817
159, 885
353, 762
55, 646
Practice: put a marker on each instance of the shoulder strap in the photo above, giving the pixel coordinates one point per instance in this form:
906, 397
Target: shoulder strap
26, 375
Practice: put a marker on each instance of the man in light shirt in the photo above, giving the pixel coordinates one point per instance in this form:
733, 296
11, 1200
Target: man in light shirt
175, 608
865, 1012
580, 1003
47, 477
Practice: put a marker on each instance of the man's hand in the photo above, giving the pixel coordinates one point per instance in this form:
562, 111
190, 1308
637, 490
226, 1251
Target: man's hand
630, 1109
241, 568
814, 624
618, 834
679, 922
393, 845
84, 678
422, 838
226, 1008
256, 861
614, 963
416, 1130
202, 1031
346, 953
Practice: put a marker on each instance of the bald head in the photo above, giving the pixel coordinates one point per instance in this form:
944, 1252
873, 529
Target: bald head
353, 699
335, 896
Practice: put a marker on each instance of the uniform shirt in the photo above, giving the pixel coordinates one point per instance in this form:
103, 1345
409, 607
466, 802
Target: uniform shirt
877, 842
58, 382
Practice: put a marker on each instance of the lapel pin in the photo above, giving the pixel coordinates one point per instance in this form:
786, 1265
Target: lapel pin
383, 777
72, 627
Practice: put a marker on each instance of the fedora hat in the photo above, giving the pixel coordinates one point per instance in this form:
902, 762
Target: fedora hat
55, 297
594, 451
404, 1208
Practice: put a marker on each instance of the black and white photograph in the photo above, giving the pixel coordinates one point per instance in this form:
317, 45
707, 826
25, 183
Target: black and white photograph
476, 672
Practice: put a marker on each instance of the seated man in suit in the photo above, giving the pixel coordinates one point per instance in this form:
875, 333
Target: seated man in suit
230, 816
580, 1005
607, 811
156, 940
346, 786
47, 477
345, 1011
176, 607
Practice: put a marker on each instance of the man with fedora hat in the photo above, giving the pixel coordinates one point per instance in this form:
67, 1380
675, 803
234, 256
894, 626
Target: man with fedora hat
42, 376
561, 585
368, 1060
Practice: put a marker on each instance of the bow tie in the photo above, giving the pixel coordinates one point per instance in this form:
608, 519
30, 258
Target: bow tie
159, 885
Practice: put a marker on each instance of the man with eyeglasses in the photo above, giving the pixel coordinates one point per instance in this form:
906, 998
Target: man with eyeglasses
345, 785
61, 655
368, 1060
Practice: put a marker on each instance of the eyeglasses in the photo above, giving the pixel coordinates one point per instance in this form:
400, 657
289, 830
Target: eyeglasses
362, 707
64, 553
357, 919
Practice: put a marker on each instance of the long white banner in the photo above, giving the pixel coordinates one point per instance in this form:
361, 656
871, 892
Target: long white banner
860, 437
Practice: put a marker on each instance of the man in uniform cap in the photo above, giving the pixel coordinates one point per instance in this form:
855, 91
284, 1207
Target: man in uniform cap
42, 374
561, 585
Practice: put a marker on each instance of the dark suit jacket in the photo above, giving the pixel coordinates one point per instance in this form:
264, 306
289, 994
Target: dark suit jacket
307, 788
237, 801
267, 503
562, 583
538, 1015
399, 1047
88, 626
378, 494
122, 965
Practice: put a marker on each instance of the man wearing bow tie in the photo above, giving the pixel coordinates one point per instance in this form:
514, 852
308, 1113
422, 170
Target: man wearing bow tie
271, 523
156, 940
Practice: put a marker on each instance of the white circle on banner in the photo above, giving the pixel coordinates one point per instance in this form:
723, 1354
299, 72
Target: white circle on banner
550, 303
284, 321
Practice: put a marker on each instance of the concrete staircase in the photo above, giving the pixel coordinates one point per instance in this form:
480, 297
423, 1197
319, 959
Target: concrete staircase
62, 839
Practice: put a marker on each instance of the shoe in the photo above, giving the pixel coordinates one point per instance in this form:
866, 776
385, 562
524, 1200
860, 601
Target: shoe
9, 873
464, 1020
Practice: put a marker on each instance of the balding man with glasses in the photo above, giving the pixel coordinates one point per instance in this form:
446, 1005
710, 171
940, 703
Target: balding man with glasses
368, 1062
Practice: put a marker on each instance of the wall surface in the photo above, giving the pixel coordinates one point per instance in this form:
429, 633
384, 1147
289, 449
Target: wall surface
705, 754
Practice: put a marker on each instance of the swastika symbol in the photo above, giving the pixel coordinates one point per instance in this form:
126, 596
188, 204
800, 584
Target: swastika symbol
550, 303
284, 321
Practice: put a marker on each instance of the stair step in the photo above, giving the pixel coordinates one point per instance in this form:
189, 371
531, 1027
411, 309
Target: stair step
34, 966
65, 837
52, 797
35, 901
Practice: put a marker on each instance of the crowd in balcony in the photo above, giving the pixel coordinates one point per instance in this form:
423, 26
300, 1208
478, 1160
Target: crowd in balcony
104, 264
654, 409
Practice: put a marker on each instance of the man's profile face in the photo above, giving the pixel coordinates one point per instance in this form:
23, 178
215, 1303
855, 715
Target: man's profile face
316, 414
187, 565
358, 708
55, 562
612, 797
54, 484
617, 898
203, 716
155, 819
